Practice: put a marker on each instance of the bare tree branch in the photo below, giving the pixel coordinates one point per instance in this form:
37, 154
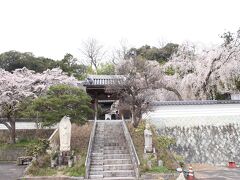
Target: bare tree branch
93, 52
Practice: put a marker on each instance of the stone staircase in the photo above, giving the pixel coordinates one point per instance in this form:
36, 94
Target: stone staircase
110, 157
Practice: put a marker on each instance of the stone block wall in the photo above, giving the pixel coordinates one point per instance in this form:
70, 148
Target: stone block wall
11, 154
206, 143
26, 134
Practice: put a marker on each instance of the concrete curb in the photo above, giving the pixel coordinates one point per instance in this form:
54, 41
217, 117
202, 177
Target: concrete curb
50, 178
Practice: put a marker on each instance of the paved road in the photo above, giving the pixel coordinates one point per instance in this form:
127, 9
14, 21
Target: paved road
220, 174
10, 171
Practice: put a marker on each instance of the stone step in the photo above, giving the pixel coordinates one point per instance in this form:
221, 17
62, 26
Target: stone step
98, 146
97, 158
97, 155
98, 140
115, 135
96, 162
97, 151
95, 176
114, 144
115, 147
119, 178
111, 139
116, 156
110, 158
119, 173
116, 161
118, 167
96, 172
96, 168
116, 151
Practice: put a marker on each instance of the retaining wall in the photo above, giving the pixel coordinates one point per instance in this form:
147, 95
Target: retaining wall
206, 144
26, 134
11, 154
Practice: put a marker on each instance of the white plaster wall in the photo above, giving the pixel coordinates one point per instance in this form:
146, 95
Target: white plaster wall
26, 125
235, 96
194, 115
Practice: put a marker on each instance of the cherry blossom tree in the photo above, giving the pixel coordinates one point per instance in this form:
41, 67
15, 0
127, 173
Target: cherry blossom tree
138, 89
198, 74
22, 83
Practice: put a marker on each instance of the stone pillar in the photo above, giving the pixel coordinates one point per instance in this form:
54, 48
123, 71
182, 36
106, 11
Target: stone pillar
148, 139
65, 134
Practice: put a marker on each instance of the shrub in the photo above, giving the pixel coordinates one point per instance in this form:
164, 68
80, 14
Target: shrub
38, 148
164, 142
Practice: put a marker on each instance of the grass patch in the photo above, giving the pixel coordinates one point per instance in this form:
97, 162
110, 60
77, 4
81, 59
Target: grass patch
77, 170
41, 167
19, 144
137, 135
46, 171
80, 137
160, 169
161, 145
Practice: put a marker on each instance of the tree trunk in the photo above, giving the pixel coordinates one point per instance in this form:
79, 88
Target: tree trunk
12, 131
134, 120
174, 91
136, 117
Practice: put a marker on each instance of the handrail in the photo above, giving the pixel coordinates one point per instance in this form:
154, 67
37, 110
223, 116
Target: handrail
132, 149
54, 140
53, 134
90, 144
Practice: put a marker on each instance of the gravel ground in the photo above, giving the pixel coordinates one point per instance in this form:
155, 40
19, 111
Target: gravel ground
220, 174
210, 172
10, 171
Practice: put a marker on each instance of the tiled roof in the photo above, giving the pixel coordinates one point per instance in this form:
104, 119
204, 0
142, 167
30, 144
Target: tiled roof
103, 79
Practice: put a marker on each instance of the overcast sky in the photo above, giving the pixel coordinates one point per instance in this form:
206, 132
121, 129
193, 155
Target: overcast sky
52, 28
